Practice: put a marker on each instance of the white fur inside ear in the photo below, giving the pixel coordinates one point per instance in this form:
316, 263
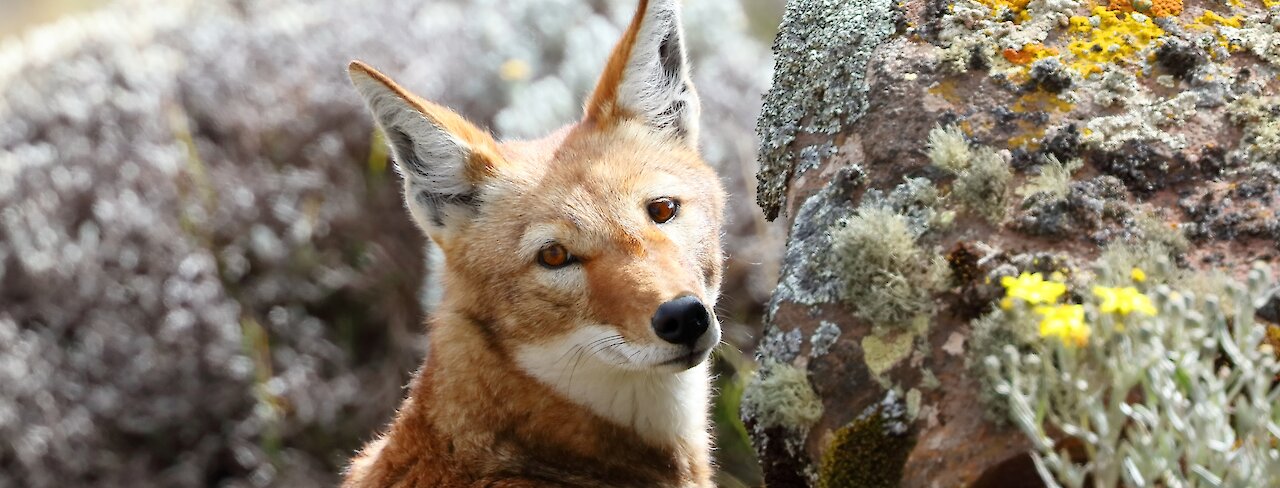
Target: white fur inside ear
432, 161
664, 408
656, 83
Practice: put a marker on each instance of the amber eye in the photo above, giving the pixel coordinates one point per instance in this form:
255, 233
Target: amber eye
662, 210
555, 256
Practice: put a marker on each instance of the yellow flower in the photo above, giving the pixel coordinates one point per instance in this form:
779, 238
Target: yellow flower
1123, 300
1032, 288
1066, 322
1138, 275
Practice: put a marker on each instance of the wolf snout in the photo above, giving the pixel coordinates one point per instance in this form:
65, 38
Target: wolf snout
681, 321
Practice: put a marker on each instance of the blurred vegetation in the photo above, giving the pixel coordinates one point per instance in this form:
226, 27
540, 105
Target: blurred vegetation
238, 284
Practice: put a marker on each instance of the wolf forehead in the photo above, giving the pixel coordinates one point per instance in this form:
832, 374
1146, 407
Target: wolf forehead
578, 172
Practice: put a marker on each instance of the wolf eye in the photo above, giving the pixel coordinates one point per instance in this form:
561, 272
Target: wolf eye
662, 210
555, 256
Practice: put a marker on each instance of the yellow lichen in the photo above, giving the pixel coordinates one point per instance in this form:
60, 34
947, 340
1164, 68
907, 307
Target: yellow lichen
1212, 21
1040, 101
1012, 5
1116, 38
882, 352
1211, 18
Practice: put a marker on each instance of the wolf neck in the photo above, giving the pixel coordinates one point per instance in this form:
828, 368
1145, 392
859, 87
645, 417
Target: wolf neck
665, 409
467, 370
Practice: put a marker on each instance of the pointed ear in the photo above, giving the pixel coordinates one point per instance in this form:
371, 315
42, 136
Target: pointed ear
647, 77
442, 157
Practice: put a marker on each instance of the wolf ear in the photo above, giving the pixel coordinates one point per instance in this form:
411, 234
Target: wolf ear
647, 77
442, 157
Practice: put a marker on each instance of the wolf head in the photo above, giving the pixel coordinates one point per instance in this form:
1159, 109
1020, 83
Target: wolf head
596, 247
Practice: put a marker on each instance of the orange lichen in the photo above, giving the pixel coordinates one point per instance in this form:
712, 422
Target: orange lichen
1117, 38
1029, 53
1154, 8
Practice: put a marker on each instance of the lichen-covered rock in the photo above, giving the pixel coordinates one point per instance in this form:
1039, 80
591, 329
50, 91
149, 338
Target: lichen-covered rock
207, 276
1071, 139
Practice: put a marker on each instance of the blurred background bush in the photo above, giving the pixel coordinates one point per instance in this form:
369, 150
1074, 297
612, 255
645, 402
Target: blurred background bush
206, 274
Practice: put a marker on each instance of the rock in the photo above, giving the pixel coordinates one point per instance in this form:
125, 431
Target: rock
1132, 139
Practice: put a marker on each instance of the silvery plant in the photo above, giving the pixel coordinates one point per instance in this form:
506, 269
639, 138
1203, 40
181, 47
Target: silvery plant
206, 274
1180, 398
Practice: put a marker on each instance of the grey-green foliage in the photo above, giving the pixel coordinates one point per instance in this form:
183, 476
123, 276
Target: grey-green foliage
982, 174
202, 281
949, 149
1182, 398
888, 277
1154, 242
916, 200
1054, 178
983, 187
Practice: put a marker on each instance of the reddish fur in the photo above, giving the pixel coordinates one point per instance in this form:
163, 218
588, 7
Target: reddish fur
484, 150
473, 417
601, 107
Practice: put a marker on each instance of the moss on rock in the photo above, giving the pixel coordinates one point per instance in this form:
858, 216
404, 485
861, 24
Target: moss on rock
869, 452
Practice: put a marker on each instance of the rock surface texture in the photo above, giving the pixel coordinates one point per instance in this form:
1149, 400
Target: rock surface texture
923, 150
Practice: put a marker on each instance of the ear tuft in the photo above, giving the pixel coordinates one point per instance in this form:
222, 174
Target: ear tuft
442, 157
647, 77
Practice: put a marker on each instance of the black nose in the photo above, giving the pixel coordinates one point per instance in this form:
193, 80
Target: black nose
681, 321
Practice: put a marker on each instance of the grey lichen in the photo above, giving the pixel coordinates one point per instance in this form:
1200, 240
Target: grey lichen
917, 200
1260, 33
780, 396
1085, 207
812, 156
1146, 122
822, 339
819, 82
779, 346
1260, 119
806, 276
